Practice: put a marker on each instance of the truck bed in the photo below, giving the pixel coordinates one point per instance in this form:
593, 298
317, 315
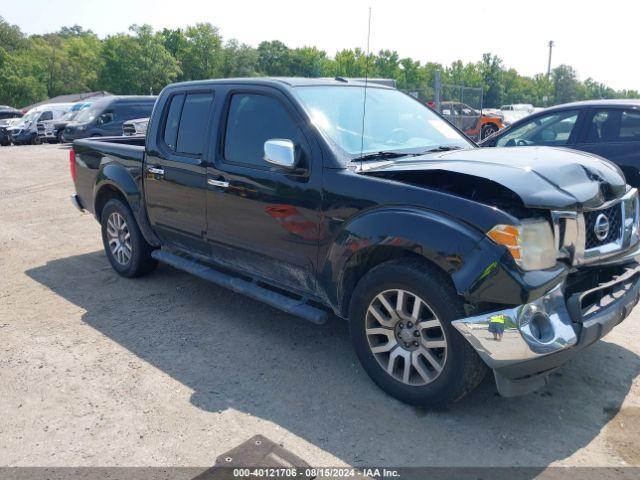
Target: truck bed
92, 153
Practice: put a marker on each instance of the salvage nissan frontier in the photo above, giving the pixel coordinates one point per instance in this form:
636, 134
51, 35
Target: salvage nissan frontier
333, 196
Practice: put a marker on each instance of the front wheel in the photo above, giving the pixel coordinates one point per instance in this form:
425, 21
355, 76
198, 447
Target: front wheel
488, 130
127, 250
400, 319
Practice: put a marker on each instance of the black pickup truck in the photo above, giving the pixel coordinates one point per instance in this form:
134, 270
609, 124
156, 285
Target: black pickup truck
326, 196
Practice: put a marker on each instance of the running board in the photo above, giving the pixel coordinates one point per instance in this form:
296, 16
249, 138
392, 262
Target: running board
297, 307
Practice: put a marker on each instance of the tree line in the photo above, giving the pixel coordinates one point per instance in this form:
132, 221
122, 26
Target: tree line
143, 61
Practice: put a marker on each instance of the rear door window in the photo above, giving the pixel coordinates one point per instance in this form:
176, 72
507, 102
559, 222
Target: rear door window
173, 121
614, 125
193, 123
187, 121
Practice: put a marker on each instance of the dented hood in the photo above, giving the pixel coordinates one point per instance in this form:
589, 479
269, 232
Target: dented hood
543, 177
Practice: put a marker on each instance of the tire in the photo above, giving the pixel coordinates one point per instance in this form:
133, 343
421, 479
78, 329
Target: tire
120, 229
454, 368
59, 137
488, 130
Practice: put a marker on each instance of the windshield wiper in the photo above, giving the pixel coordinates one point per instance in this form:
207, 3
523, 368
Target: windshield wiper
381, 155
442, 148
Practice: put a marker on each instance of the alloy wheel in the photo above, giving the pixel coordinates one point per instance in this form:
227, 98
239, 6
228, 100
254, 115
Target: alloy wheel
119, 238
406, 337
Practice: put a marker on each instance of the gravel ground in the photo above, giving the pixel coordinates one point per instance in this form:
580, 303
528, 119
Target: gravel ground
168, 370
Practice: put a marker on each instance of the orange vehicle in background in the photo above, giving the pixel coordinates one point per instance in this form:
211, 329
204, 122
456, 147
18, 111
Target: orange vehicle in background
474, 123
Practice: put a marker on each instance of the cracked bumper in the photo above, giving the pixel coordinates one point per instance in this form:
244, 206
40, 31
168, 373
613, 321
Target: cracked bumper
544, 334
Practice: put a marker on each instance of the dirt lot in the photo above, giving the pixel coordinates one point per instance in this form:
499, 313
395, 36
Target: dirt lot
170, 370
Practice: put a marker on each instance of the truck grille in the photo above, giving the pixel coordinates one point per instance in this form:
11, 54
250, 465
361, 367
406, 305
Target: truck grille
129, 129
41, 129
614, 217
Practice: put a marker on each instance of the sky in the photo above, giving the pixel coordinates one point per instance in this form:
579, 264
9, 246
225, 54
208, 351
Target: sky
599, 39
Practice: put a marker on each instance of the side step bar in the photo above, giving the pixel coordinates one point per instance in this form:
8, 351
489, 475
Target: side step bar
297, 307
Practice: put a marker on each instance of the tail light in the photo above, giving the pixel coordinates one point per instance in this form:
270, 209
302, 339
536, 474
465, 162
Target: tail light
72, 164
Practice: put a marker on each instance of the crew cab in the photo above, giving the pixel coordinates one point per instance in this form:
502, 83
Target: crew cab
447, 260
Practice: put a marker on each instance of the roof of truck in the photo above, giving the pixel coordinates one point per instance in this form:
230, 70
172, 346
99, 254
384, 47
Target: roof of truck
289, 81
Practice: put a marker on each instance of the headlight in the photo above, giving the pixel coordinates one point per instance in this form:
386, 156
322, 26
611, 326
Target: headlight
531, 243
82, 128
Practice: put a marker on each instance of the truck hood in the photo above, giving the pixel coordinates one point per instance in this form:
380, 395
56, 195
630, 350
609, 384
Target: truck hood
542, 177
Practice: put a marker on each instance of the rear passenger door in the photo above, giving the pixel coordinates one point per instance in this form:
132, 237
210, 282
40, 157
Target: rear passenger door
264, 221
614, 133
175, 172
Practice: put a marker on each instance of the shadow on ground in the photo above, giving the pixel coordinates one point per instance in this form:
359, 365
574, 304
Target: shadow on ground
237, 353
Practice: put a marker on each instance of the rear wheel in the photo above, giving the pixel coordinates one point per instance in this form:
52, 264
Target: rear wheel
400, 318
127, 250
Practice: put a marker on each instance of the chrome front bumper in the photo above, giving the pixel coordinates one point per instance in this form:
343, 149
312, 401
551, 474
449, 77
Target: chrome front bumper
544, 334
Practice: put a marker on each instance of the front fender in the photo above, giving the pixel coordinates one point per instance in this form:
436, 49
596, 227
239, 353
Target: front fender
439, 239
480, 270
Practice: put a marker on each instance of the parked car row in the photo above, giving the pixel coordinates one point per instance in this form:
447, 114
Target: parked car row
65, 122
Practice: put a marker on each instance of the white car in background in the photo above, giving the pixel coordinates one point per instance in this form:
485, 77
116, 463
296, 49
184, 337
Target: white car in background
513, 113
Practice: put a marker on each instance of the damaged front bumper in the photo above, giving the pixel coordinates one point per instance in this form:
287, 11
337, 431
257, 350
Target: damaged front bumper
544, 334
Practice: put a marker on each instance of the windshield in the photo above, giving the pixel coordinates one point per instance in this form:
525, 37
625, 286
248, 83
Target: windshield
29, 116
69, 116
86, 115
393, 121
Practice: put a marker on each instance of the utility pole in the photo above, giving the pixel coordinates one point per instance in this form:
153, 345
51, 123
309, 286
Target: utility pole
546, 97
549, 64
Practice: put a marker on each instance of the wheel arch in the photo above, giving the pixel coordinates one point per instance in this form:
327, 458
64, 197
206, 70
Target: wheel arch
114, 181
379, 236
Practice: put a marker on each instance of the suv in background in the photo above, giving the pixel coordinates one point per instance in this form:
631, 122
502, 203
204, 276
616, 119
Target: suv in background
106, 116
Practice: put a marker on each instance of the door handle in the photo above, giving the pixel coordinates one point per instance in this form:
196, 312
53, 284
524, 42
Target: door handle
218, 183
155, 170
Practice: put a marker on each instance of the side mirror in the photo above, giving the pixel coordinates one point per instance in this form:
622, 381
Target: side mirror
280, 152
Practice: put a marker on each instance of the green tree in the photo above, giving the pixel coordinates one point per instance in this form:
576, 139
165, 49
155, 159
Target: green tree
350, 63
387, 64
274, 59
19, 86
239, 60
154, 64
200, 55
119, 68
308, 62
11, 38
491, 70
566, 87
